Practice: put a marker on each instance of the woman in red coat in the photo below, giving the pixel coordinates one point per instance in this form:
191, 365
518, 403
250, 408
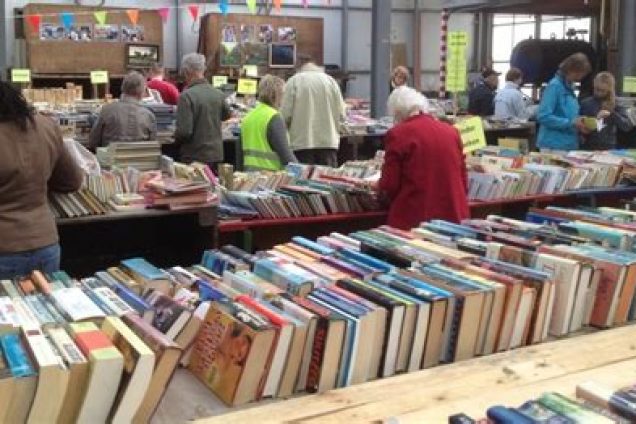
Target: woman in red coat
424, 173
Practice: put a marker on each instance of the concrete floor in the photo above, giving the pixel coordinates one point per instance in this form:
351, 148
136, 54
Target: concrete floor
188, 399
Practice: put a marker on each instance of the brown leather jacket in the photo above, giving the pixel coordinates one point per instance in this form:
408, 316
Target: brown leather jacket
31, 164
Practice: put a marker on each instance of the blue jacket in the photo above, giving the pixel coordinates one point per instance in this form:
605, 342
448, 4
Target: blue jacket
557, 113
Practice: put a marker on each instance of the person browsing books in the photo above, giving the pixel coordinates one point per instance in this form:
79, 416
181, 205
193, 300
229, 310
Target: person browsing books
399, 77
167, 90
264, 140
33, 160
558, 113
200, 112
603, 107
481, 98
424, 173
313, 110
126, 120
510, 103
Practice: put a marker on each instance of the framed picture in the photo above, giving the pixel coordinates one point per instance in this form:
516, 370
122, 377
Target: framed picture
229, 34
265, 34
248, 33
141, 55
80, 33
132, 34
52, 32
230, 55
286, 35
255, 54
106, 32
282, 55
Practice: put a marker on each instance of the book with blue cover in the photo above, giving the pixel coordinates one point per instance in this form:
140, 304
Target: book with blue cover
286, 276
311, 245
367, 260
16, 355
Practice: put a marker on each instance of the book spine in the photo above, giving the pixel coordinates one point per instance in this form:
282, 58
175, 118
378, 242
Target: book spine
98, 302
317, 354
16, 355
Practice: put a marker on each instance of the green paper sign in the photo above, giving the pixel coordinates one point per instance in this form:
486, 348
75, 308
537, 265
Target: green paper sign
251, 71
472, 133
629, 85
219, 81
247, 87
99, 77
22, 76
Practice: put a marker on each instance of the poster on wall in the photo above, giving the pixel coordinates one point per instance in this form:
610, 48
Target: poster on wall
286, 35
265, 34
80, 33
52, 32
132, 34
248, 33
106, 32
229, 34
230, 55
255, 54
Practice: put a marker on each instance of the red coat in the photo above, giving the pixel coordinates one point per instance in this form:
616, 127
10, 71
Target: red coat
424, 173
169, 93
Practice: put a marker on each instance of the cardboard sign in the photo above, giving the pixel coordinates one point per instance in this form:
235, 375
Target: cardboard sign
251, 71
472, 133
22, 76
248, 87
99, 77
219, 81
629, 84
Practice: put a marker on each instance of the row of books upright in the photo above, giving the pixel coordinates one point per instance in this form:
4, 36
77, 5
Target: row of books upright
596, 404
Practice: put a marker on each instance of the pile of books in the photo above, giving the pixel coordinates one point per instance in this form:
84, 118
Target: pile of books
596, 404
141, 155
177, 193
77, 204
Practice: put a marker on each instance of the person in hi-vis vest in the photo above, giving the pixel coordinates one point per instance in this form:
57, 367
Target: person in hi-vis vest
264, 139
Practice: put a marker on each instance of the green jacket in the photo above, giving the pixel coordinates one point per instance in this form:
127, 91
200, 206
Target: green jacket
200, 111
257, 152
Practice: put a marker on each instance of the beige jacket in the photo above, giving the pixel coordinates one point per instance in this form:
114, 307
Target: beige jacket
313, 109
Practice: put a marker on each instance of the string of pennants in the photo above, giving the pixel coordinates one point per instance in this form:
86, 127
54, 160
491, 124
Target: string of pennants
67, 19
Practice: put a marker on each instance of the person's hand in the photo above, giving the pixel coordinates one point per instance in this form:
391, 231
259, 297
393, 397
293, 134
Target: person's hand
579, 123
603, 114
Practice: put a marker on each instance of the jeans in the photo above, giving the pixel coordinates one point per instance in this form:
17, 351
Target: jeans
46, 259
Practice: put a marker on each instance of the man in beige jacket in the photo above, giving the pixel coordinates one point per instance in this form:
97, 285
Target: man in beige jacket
313, 109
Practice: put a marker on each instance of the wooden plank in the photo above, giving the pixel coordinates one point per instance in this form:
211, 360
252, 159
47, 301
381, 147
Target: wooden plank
410, 392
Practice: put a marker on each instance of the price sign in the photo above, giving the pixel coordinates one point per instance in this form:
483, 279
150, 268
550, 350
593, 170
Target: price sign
99, 77
251, 71
629, 84
219, 81
472, 133
22, 76
247, 87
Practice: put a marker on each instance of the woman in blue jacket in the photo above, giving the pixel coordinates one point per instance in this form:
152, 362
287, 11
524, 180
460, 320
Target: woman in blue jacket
558, 113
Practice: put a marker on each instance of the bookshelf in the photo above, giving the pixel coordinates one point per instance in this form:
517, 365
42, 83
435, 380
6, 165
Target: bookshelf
471, 386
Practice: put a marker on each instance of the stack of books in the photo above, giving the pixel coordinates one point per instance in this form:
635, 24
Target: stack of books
595, 404
177, 193
141, 155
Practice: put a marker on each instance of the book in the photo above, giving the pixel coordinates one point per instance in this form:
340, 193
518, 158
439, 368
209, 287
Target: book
570, 409
106, 367
24, 374
615, 402
148, 276
7, 387
76, 304
170, 317
167, 355
231, 353
541, 414
287, 276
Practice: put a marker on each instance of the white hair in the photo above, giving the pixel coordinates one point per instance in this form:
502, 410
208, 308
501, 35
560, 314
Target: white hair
405, 101
193, 63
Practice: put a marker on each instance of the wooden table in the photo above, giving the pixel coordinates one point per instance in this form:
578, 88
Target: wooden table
430, 396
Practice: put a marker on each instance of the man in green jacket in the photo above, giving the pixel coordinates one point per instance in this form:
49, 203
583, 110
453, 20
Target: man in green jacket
200, 111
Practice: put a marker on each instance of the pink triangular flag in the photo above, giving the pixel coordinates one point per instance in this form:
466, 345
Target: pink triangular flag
305, 3
164, 12
34, 21
194, 11
277, 4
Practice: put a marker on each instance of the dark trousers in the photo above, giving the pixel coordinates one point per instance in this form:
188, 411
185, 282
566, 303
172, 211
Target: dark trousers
327, 157
46, 259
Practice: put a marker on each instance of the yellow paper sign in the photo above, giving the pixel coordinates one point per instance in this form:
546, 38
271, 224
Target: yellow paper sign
247, 87
21, 75
456, 74
472, 133
457, 39
99, 77
251, 71
219, 81
629, 85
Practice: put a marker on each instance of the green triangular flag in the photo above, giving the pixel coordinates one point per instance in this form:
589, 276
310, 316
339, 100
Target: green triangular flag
251, 5
100, 17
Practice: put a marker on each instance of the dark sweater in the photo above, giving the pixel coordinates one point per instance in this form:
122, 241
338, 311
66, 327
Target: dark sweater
606, 138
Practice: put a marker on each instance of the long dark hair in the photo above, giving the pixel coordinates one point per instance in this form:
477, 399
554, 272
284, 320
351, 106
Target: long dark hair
14, 107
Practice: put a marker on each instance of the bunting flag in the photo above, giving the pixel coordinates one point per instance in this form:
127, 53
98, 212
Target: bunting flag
67, 19
251, 6
34, 22
133, 15
277, 4
100, 17
194, 11
164, 12
305, 4
224, 6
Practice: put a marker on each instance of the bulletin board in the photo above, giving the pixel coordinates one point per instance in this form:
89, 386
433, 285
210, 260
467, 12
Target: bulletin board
47, 54
308, 34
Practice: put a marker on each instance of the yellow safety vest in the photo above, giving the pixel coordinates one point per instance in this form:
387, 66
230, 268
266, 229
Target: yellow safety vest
257, 153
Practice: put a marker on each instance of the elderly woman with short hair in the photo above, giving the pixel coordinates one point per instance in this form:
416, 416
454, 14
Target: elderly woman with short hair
264, 137
424, 173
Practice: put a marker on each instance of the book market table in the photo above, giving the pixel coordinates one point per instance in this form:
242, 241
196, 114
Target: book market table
430, 396
161, 236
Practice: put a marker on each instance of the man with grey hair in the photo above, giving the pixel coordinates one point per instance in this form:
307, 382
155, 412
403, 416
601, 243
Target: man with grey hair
200, 111
126, 120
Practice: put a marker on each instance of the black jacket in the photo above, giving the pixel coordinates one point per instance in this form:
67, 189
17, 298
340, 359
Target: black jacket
606, 138
481, 100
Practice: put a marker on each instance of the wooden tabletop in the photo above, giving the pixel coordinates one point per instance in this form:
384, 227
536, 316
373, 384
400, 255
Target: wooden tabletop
430, 396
